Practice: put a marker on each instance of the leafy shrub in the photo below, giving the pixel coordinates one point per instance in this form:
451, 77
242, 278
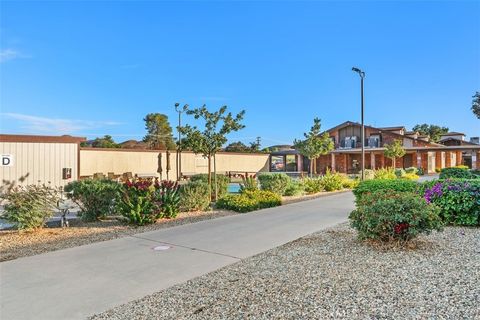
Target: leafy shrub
275, 182
332, 181
461, 166
420, 171
410, 176
194, 196
394, 216
370, 186
137, 202
294, 188
167, 198
369, 174
399, 173
312, 185
458, 173
411, 170
96, 198
385, 173
438, 170
348, 183
248, 183
458, 200
28, 207
249, 201
222, 182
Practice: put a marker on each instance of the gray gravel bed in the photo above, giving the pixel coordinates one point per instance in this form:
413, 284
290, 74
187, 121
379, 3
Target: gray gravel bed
331, 275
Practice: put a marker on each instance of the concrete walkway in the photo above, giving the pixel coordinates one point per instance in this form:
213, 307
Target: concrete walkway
77, 282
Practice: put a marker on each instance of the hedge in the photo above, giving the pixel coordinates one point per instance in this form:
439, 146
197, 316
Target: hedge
369, 186
249, 201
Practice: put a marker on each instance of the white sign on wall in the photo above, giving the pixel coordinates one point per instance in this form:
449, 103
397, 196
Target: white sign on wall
7, 160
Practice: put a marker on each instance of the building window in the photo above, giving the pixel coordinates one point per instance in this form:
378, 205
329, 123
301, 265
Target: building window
374, 141
277, 163
350, 142
291, 163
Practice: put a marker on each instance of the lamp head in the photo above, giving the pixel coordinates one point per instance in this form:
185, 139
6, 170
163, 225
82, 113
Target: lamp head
360, 72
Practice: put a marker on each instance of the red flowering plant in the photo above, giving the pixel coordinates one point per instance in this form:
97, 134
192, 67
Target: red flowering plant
167, 198
394, 216
137, 202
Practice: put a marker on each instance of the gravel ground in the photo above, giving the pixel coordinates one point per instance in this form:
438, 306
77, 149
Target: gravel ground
331, 275
14, 244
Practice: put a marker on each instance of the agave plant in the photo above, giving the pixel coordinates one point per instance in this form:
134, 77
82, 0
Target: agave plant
167, 197
248, 183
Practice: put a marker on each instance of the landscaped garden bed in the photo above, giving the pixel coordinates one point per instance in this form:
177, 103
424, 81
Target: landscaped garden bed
332, 275
99, 219
14, 244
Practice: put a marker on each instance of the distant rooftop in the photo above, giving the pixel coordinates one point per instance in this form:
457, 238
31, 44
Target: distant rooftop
392, 128
453, 133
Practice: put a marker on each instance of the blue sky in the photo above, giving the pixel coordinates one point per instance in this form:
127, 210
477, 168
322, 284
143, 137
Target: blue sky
93, 68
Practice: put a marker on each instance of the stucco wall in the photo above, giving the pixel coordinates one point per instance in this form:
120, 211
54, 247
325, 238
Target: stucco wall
147, 162
42, 161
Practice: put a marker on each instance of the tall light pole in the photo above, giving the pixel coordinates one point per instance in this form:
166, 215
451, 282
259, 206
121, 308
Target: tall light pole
362, 76
179, 150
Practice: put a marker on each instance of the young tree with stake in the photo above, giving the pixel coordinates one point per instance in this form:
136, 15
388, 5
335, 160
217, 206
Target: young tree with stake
217, 125
394, 150
314, 144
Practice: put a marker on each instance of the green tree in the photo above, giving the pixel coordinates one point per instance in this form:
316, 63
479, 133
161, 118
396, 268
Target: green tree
237, 147
431, 130
217, 125
105, 142
476, 104
394, 150
314, 144
159, 132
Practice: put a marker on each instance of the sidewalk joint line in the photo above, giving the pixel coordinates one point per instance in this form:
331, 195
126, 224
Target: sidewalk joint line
186, 247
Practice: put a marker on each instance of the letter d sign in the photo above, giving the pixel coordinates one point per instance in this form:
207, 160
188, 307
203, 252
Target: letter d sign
7, 160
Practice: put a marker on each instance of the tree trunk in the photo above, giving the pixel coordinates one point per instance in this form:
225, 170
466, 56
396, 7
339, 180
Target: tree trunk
210, 177
311, 167
215, 176
393, 163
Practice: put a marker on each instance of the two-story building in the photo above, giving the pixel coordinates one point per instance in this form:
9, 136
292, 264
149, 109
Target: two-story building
420, 152
346, 157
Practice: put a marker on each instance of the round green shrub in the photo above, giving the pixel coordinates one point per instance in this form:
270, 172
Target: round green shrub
249, 201
28, 207
274, 182
95, 198
369, 186
222, 182
394, 216
458, 173
194, 196
458, 200
294, 188
385, 173
331, 181
312, 185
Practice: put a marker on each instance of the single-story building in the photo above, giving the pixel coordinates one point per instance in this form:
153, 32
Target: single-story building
58, 160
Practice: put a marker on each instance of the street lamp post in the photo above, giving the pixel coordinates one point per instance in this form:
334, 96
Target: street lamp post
179, 149
362, 76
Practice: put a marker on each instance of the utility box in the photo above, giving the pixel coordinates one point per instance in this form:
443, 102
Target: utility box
66, 173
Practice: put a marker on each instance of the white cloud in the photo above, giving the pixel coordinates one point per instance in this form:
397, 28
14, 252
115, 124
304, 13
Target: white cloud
56, 126
9, 54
